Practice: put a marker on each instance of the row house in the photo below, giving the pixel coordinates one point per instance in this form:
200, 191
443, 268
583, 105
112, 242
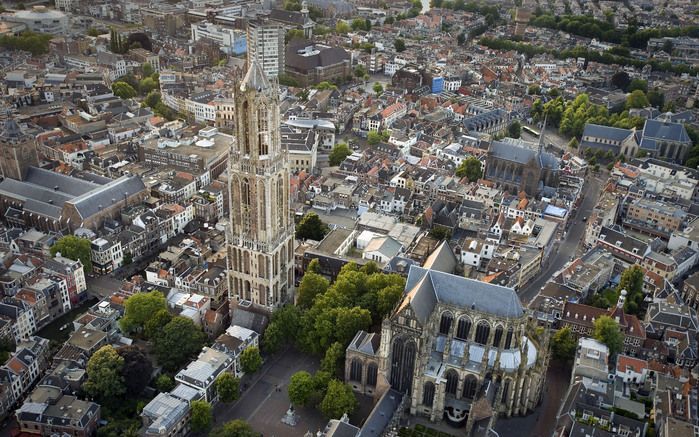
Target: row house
22, 370
106, 254
581, 318
73, 272
20, 315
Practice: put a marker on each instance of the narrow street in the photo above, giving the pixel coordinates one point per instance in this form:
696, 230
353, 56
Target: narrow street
568, 247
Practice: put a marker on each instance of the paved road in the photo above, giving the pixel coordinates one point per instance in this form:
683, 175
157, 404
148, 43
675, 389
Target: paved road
102, 286
568, 247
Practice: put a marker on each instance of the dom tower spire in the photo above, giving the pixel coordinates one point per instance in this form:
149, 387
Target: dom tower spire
260, 233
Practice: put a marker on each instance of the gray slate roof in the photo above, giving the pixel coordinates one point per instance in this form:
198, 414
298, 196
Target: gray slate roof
665, 131
94, 201
425, 288
608, 132
516, 151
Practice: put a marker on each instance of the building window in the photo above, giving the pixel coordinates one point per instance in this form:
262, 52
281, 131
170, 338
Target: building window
356, 370
428, 394
452, 382
482, 332
508, 339
463, 328
470, 384
371, 374
445, 323
498, 336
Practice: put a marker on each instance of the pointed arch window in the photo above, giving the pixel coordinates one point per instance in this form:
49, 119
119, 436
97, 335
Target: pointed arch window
244, 129
262, 130
428, 394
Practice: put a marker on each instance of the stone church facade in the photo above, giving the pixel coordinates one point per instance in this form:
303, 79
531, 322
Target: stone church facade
260, 234
520, 166
463, 351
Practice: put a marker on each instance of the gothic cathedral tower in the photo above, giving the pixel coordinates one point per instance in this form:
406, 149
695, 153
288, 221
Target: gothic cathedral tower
261, 233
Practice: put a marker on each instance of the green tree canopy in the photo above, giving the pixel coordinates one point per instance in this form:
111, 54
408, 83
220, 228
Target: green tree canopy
534, 90
399, 44
136, 370
147, 69
606, 330
104, 375
139, 308
282, 329
563, 344
360, 71
360, 24
632, 281
250, 360
293, 34
311, 285
152, 99
339, 399
147, 85
514, 130
637, 99
339, 153
621, 80
333, 359
202, 416
378, 88
638, 84
342, 28
35, 43
123, 90
177, 343
373, 138
311, 227
325, 85
470, 168
164, 383
74, 248
234, 428
156, 323
573, 143
301, 388
227, 387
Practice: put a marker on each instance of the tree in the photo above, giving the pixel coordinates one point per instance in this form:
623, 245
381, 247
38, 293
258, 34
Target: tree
201, 415
637, 99
178, 341
147, 85
301, 388
123, 90
534, 90
147, 69
152, 99
139, 308
250, 359
573, 143
128, 258
359, 24
399, 44
378, 88
621, 80
311, 285
293, 34
283, 327
360, 71
339, 399
388, 298
104, 375
515, 129
373, 138
563, 344
91, 31
325, 85
656, 98
606, 330
470, 168
164, 383
638, 84
74, 248
136, 369
342, 28
461, 39
311, 227
332, 359
7, 346
339, 153
227, 387
234, 428
156, 323
632, 281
